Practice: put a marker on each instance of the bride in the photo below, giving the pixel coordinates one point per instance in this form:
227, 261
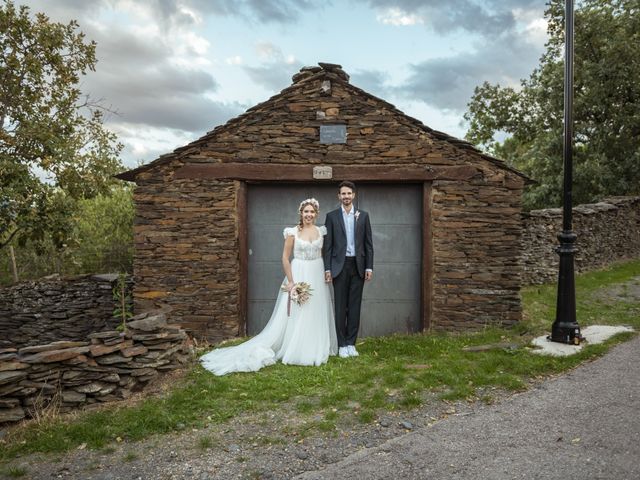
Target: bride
296, 334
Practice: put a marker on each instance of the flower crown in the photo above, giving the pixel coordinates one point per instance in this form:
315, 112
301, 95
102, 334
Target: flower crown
309, 201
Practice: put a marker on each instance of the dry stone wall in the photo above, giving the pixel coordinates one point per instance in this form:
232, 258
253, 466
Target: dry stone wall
106, 366
607, 232
57, 308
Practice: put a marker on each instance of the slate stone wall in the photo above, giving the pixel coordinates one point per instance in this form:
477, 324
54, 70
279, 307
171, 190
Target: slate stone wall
57, 308
477, 269
607, 232
186, 252
103, 367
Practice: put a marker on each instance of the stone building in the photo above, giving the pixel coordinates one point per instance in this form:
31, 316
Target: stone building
446, 218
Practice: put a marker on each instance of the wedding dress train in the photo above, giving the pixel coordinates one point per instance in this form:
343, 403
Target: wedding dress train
306, 337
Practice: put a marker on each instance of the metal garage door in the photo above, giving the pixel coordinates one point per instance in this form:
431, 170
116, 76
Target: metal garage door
391, 301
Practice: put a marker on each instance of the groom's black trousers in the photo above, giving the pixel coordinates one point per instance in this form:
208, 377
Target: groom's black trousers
347, 295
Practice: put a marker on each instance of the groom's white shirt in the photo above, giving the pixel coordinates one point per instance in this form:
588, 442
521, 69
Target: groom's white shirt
349, 220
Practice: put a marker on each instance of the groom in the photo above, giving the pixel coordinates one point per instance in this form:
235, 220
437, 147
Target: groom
348, 261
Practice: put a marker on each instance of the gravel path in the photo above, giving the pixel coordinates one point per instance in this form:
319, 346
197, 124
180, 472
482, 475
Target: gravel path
260, 446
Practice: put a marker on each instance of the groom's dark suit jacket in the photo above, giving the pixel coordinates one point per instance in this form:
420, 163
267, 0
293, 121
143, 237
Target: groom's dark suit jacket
335, 242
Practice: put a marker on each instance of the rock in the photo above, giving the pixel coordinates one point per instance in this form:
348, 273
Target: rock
81, 359
233, 448
113, 341
158, 337
159, 346
148, 324
111, 378
147, 378
72, 374
11, 376
302, 455
406, 425
11, 414
9, 389
111, 359
45, 374
142, 371
26, 392
107, 389
51, 346
43, 388
133, 351
92, 387
49, 356
4, 366
70, 396
6, 402
99, 350
103, 335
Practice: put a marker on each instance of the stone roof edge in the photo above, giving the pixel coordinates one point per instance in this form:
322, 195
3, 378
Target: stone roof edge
130, 175
456, 142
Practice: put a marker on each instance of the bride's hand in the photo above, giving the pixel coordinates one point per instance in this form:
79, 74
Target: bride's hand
290, 286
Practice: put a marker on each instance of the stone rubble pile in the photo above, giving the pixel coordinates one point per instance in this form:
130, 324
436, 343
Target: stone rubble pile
107, 366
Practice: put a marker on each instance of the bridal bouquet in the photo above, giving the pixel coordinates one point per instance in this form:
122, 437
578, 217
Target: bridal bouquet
300, 293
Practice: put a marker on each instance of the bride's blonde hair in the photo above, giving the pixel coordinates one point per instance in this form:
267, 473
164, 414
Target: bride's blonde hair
309, 201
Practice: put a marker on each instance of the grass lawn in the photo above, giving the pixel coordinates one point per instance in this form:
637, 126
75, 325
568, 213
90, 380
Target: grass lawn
391, 373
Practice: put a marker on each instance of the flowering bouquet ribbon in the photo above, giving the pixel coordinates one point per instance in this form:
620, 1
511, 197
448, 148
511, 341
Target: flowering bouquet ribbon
300, 293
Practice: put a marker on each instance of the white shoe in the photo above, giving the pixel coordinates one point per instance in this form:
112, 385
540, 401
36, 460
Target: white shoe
343, 352
352, 351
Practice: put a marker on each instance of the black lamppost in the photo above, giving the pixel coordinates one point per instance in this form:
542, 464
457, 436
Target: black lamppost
565, 328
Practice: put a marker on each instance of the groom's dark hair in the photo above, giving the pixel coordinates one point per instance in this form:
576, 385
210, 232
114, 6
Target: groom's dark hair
347, 184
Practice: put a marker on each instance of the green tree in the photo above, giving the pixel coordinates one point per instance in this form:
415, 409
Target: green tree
103, 233
54, 148
606, 108
98, 239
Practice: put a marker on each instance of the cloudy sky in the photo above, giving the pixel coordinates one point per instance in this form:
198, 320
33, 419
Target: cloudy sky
171, 70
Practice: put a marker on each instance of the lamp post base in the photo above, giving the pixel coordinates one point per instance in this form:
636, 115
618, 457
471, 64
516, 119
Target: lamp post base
566, 332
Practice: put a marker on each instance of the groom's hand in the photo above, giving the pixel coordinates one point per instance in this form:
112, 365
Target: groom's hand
368, 275
327, 277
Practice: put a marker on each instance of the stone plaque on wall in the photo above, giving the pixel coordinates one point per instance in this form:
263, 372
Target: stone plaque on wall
333, 134
322, 173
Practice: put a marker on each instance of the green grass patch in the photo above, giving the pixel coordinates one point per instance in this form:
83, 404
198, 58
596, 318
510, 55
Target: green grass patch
130, 457
392, 373
205, 443
367, 416
14, 472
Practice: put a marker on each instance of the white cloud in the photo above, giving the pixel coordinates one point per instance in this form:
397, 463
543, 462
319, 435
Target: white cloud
399, 18
235, 60
536, 31
268, 51
195, 43
143, 144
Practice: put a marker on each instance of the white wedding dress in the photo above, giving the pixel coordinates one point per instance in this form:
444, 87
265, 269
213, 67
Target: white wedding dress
306, 337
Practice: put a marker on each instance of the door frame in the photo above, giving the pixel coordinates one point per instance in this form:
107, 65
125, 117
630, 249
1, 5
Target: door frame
242, 204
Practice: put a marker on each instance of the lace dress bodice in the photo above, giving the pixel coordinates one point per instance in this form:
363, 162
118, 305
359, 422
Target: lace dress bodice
303, 249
